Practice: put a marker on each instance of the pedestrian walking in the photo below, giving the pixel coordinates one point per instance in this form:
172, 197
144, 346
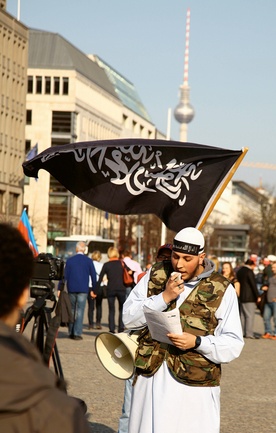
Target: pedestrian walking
270, 305
95, 303
249, 296
133, 266
115, 289
78, 269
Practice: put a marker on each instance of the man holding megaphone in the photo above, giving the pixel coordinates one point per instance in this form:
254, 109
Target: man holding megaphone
177, 385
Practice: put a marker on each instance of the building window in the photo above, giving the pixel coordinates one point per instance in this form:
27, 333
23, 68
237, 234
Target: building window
27, 146
65, 89
58, 215
27, 150
125, 119
30, 84
38, 85
13, 203
2, 201
56, 85
61, 121
48, 85
29, 117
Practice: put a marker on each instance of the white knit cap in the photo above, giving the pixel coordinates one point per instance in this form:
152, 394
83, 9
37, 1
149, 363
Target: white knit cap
189, 241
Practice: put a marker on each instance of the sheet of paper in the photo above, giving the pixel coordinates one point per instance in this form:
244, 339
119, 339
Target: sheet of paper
162, 323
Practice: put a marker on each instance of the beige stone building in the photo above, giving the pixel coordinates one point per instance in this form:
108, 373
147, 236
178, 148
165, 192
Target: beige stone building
72, 97
13, 74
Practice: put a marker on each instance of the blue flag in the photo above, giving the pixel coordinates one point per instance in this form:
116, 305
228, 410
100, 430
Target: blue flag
32, 152
25, 229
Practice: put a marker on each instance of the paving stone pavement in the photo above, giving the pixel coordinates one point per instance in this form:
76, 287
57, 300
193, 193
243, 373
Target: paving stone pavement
248, 397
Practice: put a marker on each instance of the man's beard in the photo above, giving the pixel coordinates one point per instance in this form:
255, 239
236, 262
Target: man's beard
195, 273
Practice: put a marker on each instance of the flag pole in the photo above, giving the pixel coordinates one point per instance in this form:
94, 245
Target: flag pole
163, 227
223, 186
18, 10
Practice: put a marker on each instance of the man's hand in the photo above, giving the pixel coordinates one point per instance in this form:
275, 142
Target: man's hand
93, 295
184, 341
174, 287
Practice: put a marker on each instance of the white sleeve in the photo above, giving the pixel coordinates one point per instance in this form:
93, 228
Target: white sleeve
227, 342
133, 315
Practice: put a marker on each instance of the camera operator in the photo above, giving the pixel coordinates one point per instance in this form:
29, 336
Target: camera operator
32, 399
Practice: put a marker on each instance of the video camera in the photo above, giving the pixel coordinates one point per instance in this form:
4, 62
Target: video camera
46, 269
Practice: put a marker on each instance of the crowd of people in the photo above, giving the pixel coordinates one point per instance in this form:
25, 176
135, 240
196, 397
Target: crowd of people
255, 284
216, 304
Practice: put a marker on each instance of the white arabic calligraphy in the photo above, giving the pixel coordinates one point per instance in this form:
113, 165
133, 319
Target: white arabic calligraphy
140, 169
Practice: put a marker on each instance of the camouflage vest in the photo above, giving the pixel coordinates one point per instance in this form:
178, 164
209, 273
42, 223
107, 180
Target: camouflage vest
197, 315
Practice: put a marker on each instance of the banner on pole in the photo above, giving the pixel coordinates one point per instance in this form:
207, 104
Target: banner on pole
178, 182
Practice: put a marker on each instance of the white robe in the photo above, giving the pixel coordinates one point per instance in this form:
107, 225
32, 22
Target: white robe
160, 404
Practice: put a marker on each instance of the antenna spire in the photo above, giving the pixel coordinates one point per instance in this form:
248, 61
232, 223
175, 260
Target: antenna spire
184, 112
186, 57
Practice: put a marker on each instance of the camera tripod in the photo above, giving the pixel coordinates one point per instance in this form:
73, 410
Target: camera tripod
44, 325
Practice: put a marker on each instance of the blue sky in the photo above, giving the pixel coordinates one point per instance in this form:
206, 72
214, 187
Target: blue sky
232, 65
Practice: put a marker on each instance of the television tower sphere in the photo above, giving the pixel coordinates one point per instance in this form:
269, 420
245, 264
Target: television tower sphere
184, 112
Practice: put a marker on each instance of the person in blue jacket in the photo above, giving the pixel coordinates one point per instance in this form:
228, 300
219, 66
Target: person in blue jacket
78, 269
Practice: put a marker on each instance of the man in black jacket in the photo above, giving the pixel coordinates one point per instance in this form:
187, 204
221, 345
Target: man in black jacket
32, 398
248, 297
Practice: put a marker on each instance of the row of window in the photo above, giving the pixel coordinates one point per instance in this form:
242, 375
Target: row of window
48, 85
15, 105
92, 129
64, 122
6, 64
8, 141
9, 36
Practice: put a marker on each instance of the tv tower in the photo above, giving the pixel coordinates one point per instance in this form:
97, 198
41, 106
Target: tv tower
184, 112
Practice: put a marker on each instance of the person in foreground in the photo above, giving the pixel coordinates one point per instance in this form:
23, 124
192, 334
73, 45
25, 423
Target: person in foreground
33, 399
177, 385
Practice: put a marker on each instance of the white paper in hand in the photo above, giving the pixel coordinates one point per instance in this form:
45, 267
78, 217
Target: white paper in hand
162, 323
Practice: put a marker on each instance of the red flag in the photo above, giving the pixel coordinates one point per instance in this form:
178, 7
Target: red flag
25, 229
179, 182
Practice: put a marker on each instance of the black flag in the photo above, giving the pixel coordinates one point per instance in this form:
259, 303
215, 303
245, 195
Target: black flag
178, 182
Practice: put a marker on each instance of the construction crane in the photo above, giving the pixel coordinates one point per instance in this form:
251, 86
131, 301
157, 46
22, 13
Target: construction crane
264, 165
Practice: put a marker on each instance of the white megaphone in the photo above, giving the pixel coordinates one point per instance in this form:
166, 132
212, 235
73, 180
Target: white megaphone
117, 352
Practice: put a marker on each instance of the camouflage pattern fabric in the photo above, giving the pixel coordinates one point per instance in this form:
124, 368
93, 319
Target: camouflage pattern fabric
197, 314
159, 275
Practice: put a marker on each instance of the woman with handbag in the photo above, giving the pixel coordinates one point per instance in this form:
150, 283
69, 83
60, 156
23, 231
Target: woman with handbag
133, 268
113, 270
